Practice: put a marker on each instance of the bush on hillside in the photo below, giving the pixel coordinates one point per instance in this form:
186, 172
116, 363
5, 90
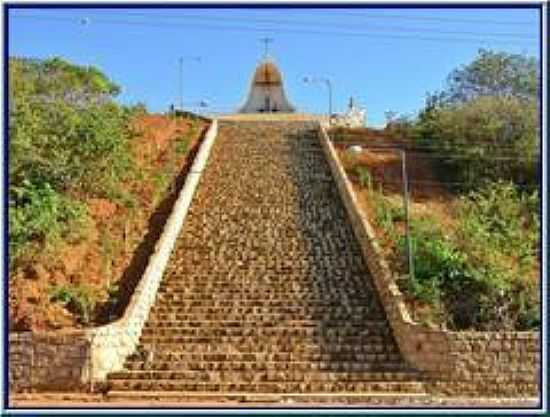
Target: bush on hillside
39, 213
482, 275
484, 125
67, 138
486, 139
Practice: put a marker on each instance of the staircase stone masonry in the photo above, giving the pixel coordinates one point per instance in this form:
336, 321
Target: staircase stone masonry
266, 291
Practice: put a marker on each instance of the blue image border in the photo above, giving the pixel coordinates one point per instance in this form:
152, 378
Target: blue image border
543, 43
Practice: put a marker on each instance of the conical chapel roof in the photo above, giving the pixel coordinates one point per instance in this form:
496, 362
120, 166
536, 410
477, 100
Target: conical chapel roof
267, 73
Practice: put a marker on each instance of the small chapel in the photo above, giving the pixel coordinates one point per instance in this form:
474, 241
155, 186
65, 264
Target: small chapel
266, 93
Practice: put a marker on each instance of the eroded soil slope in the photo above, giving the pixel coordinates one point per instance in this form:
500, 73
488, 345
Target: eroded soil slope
89, 279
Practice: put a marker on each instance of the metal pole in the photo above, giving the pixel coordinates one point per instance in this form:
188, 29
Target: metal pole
181, 84
406, 207
329, 98
173, 171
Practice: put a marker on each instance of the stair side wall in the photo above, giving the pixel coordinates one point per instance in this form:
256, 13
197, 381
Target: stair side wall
456, 363
69, 360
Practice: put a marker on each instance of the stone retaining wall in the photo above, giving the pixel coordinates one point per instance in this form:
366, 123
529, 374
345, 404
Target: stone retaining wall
48, 360
67, 360
455, 363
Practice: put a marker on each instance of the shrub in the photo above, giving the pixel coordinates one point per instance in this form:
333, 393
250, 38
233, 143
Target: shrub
503, 219
349, 160
78, 299
182, 144
38, 212
442, 277
479, 276
67, 139
364, 176
471, 137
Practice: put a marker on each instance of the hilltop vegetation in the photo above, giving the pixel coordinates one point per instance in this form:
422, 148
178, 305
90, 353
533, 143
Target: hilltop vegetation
485, 124
475, 224
85, 175
67, 137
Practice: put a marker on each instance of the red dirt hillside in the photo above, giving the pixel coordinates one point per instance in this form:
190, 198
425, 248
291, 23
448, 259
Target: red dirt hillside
89, 281
428, 193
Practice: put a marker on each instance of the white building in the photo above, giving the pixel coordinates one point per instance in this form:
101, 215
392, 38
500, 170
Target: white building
354, 116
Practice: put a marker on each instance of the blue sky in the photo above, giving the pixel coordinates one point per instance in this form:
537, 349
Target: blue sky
387, 58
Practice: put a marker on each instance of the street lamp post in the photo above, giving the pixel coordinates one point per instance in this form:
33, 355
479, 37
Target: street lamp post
181, 59
198, 106
328, 83
200, 103
181, 83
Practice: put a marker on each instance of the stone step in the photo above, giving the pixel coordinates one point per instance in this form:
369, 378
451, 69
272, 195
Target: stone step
246, 143
170, 293
268, 387
311, 312
338, 289
249, 292
255, 157
252, 266
174, 317
384, 399
262, 376
303, 276
215, 354
257, 364
222, 300
216, 330
274, 320
264, 272
267, 335
321, 306
273, 345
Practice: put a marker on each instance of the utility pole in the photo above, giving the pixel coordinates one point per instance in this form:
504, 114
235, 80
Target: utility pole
181, 83
406, 207
406, 201
195, 58
328, 83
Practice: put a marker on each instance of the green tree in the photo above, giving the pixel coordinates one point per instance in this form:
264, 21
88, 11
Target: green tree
53, 79
487, 112
488, 138
498, 74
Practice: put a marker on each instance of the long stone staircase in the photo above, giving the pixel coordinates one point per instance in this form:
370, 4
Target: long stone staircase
266, 296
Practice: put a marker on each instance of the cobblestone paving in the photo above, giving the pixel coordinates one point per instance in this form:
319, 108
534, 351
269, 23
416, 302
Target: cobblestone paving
266, 290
